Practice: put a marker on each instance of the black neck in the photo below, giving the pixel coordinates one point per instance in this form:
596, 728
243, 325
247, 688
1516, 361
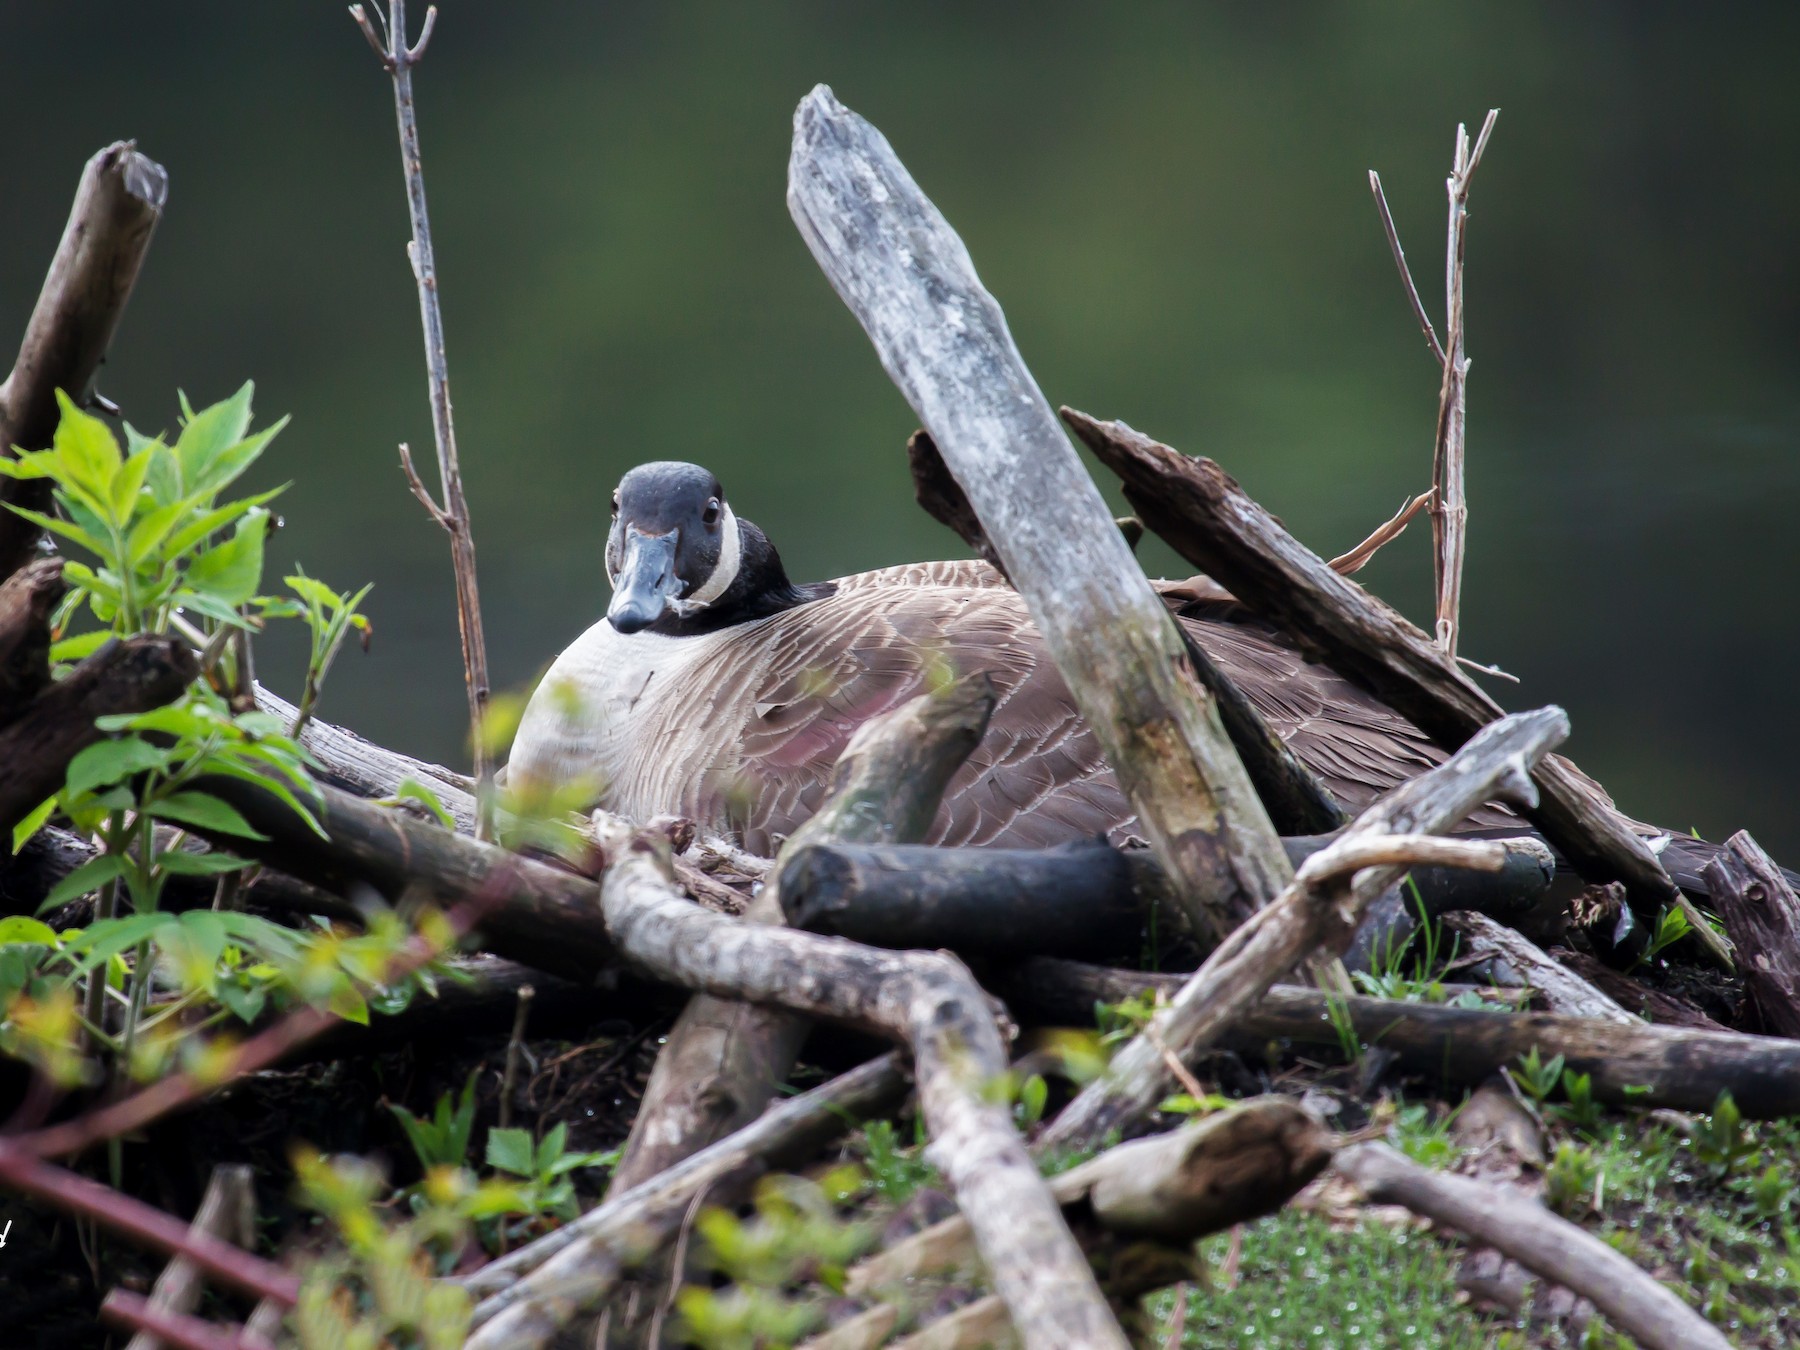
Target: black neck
762, 588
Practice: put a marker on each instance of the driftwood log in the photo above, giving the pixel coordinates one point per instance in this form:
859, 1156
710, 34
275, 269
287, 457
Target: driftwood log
117, 204
531, 1293
1761, 913
1208, 519
1297, 802
929, 1001
1172, 1190
1322, 908
1639, 1064
725, 1060
1081, 899
1524, 1230
1510, 959
125, 676
907, 277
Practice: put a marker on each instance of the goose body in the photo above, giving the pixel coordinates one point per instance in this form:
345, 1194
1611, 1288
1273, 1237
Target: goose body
717, 690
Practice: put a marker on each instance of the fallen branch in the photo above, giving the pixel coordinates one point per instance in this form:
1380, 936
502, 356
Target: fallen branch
724, 1060
398, 60
1631, 1064
227, 1211
156, 1326
1524, 1230
545, 1284
1513, 960
1208, 519
116, 208
125, 676
926, 999
1762, 914
26, 599
1082, 899
1320, 910
904, 273
1173, 1189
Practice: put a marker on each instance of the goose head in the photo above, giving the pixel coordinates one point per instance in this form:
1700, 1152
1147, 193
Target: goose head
681, 562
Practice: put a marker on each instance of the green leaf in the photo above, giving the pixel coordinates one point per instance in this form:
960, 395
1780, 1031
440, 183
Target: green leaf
346, 1002
510, 1151
226, 768
179, 862
153, 528
230, 572
90, 876
73, 533
107, 938
245, 1004
32, 823
203, 811
87, 455
411, 789
110, 761
216, 519
208, 434
175, 720
16, 928
314, 592
550, 1147
126, 485
79, 646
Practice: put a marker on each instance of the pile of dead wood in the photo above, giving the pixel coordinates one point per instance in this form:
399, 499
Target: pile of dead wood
946, 953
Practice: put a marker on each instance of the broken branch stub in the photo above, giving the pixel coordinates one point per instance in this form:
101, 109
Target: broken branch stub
724, 1060
1198, 509
1322, 908
904, 273
116, 208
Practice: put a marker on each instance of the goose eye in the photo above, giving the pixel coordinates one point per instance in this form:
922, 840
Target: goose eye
615, 503
710, 516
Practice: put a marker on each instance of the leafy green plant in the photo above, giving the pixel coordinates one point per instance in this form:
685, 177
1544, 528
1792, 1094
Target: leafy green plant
443, 1140
1722, 1142
1536, 1076
1671, 927
897, 1173
543, 1170
1572, 1181
1423, 1135
1578, 1107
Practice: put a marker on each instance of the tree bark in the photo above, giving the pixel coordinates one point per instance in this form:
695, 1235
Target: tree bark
942, 338
1554, 1248
1208, 519
27, 598
1517, 960
1082, 899
1321, 908
129, 676
926, 999
1638, 1065
117, 204
724, 1060
1762, 915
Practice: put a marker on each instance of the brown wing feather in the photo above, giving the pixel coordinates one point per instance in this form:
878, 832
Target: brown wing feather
1038, 777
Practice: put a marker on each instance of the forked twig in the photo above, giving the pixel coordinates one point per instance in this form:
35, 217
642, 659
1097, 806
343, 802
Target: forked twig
453, 515
1449, 511
1348, 564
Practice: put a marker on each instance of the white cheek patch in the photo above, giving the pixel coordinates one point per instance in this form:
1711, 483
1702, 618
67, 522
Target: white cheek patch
725, 571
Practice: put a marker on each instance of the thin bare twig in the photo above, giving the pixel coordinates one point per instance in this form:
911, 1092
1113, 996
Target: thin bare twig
1348, 564
453, 515
1412, 290
515, 1050
133, 1312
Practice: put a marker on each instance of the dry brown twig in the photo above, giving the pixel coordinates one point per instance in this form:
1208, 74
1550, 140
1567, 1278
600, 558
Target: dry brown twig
1449, 510
398, 60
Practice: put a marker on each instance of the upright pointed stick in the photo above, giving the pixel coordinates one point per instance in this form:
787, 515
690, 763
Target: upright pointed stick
398, 60
1449, 509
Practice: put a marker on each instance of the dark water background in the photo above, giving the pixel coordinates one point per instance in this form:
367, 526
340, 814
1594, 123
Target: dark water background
1169, 200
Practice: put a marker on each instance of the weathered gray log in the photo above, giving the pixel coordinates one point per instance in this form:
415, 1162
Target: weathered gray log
543, 1283
724, 1060
1641, 1065
1321, 909
548, 918
1083, 899
1173, 1189
1512, 959
1762, 916
361, 767
27, 598
1297, 802
228, 1211
929, 1001
1208, 519
1657, 1006
125, 676
1554, 1248
942, 338
117, 204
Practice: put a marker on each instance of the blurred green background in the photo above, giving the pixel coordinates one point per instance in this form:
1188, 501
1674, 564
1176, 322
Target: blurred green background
1170, 201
